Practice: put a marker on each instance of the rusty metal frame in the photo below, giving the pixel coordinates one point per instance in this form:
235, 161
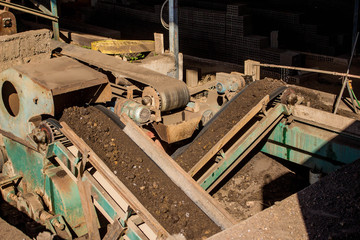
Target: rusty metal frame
44, 13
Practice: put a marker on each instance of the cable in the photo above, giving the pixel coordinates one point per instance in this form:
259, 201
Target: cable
355, 97
165, 25
352, 91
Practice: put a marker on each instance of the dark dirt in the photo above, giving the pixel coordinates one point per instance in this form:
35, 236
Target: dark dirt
163, 199
226, 120
328, 209
259, 184
313, 100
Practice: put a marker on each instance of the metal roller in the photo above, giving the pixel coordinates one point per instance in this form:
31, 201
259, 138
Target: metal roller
172, 93
174, 96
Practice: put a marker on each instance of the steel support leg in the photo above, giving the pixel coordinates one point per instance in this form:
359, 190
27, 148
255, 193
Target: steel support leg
174, 33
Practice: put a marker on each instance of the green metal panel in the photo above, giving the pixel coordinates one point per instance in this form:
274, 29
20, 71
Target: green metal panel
132, 235
64, 195
299, 157
55, 24
61, 192
27, 163
99, 197
59, 150
264, 124
312, 146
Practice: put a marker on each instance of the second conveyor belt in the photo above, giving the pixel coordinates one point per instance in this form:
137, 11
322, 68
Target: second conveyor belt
228, 117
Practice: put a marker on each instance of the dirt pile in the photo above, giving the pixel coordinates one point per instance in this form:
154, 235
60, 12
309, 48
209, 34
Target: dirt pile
231, 115
163, 199
259, 184
328, 209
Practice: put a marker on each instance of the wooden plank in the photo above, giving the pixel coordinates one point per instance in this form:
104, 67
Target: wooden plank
203, 200
192, 77
120, 212
197, 89
337, 122
122, 190
114, 231
123, 46
248, 150
252, 133
229, 152
88, 209
219, 145
159, 43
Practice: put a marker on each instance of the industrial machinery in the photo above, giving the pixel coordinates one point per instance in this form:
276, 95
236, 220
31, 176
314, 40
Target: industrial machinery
7, 22
77, 154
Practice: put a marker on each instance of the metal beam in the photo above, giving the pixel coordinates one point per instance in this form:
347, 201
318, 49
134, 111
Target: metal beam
41, 7
55, 24
29, 10
174, 33
355, 22
312, 146
307, 70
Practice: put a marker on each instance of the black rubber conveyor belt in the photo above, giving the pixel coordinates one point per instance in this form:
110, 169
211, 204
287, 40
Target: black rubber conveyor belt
172, 92
223, 122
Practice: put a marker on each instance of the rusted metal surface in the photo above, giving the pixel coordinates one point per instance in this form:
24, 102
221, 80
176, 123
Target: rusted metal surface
312, 145
176, 132
33, 100
7, 23
29, 92
62, 75
119, 187
28, 10
173, 93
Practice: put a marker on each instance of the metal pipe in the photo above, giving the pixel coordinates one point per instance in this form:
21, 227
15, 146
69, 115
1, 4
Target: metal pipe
55, 24
174, 33
345, 83
41, 7
355, 21
28, 10
308, 70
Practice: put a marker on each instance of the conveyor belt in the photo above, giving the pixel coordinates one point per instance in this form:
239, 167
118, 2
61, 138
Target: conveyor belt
163, 199
172, 92
223, 122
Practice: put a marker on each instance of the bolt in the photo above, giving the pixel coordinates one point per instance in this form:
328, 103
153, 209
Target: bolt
147, 101
57, 224
40, 136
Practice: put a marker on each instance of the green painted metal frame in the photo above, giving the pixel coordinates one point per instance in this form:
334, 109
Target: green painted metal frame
44, 13
265, 123
308, 145
59, 150
312, 146
40, 175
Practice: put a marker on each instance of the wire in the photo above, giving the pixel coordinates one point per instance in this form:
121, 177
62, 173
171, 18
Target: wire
352, 91
355, 97
165, 25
